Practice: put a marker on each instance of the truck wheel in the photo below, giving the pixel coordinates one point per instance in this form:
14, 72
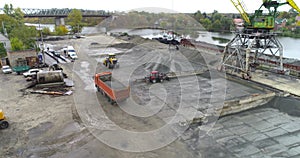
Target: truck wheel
154, 81
98, 89
112, 102
4, 124
161, 80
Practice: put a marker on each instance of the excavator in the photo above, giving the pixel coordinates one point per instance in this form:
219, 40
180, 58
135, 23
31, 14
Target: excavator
111, 61
3, 123
260, 21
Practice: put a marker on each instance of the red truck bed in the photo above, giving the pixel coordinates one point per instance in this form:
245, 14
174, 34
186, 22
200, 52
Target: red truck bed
113, 89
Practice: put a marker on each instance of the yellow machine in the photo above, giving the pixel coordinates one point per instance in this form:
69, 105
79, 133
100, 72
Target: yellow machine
259, 20
111, 61
3, 123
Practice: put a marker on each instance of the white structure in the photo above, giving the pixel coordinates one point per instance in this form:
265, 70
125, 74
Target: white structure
5, 42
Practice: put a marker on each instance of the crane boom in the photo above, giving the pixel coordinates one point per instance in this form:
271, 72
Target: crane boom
239, 6
293, 5
260, 20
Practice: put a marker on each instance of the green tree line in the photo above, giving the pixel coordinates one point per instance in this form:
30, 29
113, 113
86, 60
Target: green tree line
24, 37
215, 21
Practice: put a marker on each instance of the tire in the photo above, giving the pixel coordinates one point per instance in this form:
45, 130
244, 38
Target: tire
161, 80
154, 81
98, 89
4, 124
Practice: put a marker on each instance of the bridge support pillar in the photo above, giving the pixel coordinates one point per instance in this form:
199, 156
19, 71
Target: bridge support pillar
59, 21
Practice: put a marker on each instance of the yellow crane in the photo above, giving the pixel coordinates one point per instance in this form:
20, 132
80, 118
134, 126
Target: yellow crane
259, 20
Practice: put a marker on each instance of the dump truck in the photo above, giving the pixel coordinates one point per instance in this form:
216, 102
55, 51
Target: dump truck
111, 61
3, 123
113, 89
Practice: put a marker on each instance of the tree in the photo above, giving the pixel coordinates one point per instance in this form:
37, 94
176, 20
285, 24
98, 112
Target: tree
8, 22
206, 23
163, 24
216, 26
198, 15
16, 44
216, 16
2, 50
74, 18
8, 9
46, 31
26, 35
226, 23
61, 30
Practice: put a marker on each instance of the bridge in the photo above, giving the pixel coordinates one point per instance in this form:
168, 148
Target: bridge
59, 14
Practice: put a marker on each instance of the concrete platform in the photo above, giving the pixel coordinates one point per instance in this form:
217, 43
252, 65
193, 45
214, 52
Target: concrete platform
263, 132
284, 83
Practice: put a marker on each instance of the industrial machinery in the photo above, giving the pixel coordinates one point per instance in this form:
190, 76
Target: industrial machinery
255, 40
3, 123
111, 61
156, 76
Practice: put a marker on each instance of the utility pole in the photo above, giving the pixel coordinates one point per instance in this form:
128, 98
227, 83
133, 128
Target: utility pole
42, 45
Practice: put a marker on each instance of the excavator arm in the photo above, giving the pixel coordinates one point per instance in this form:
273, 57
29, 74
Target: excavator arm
239, 5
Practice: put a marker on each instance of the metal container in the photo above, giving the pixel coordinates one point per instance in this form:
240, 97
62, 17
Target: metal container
49, 77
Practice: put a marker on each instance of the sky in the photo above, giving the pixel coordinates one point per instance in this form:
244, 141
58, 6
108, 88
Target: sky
183, 6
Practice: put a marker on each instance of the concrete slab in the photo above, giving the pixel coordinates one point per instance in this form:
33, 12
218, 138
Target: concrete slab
276, 132
256, 136
274, 149
287, 140
262, 126
277, 82
291, 126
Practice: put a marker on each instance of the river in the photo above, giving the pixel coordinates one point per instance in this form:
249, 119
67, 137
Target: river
291, 46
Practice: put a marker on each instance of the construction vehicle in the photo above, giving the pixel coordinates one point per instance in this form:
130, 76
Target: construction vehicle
111, 61
260, 21
3, 123
114, 90
156, 76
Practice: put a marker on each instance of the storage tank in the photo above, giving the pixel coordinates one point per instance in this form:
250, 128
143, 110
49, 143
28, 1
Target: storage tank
49, 77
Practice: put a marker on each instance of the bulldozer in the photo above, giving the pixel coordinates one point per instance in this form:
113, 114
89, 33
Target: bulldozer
3, 123
111, 61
